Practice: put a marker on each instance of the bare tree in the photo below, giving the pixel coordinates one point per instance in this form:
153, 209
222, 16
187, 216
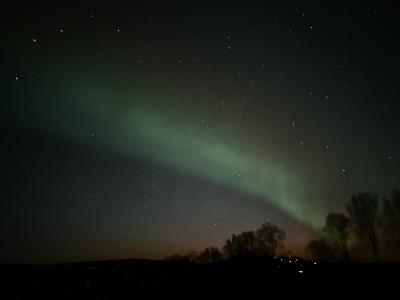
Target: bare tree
215, 254
337, 228
264, 241
390, 218
244, 244
241, 245
269, 238
208, 255
228, 249
363, 211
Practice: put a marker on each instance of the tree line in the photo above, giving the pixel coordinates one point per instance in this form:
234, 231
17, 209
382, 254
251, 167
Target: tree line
368, 220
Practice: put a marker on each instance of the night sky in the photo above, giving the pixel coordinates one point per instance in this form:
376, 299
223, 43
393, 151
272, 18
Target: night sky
142, 131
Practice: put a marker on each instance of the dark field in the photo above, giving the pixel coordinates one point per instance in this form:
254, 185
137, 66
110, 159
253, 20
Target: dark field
132, 278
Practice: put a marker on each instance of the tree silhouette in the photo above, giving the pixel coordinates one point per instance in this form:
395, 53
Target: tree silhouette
319, 250
269, 238
175, 257
191, 256
228, 248
336, 227
216, 254
248, 243
241, 245
263, 242
363, 211
235, 247
390, 219
208, 255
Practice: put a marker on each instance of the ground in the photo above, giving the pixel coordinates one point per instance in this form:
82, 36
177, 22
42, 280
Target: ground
132, 278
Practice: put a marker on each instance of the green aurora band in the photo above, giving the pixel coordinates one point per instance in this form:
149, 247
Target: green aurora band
136, 126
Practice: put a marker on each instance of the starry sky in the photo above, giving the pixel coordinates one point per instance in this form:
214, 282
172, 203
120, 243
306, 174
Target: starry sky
145, 130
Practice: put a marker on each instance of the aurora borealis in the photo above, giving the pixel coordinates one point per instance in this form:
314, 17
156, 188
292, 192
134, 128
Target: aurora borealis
164, 137
140, 132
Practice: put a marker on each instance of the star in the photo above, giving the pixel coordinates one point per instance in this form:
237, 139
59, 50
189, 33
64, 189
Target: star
202, 141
